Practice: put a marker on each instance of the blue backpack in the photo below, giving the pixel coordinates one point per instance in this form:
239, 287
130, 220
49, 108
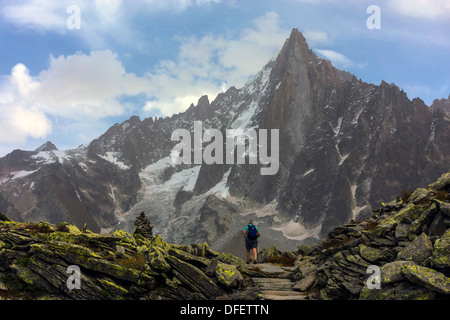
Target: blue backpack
252, 232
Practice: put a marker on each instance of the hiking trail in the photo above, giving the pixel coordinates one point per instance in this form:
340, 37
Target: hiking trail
270, 282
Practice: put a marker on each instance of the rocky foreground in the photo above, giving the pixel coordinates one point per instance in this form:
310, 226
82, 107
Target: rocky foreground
37, 261
401, 252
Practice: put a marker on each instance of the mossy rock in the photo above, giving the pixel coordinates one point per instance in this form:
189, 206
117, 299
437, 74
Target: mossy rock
113, 289
184, 247
419, 194
157, 259
407, 214
442, 182
402, 291
4, 217
418, 250
60, 236
427, 277
158, 241
371, 254
126, 237
441, 251
228, 275
392, 272
195, 260
232, 259
424, 219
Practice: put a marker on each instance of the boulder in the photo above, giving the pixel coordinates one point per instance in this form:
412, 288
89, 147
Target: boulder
306, 283
441, 251
194, 278
401, 291
229, 276
442, 182
425, 218
427, 277
418, 195
418, 250
370, 254
392, 272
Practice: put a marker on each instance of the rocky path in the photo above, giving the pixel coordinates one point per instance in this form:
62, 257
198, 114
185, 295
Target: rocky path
274, 284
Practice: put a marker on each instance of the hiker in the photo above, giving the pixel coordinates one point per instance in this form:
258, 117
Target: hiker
251, 234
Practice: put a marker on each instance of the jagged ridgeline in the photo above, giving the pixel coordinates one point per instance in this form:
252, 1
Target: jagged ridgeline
407, 240
344, 147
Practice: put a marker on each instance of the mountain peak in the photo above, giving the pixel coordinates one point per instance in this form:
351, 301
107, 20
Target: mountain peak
48, 146
441, 104
297, 37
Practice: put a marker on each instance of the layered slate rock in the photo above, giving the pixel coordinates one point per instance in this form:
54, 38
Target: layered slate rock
36, 262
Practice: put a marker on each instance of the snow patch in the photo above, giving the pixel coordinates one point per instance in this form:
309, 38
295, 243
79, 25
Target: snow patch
221, 188
185, 178
244, 120
44, 157
17, 175
112, 157
338, 127
308, 172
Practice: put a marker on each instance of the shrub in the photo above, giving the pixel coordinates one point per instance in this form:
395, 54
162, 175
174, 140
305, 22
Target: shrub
62, 227
39, 227
405, 195
442, 195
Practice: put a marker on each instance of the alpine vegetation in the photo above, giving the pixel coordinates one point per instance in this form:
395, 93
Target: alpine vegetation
234, 140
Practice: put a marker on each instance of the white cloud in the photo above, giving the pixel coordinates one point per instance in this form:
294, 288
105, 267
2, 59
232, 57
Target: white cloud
338, 59
422, 9
34, 14
210, 64
77, 87
316, 37
89, 87
177, 5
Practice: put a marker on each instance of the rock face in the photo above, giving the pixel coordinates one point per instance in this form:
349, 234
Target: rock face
37, 262
344, 146
411, 264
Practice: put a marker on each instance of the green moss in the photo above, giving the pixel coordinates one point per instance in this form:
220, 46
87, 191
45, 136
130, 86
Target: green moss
110, 286
159, 242
427, 277
228, 275
371, 254
60, 236
157, 260
407, 214
232, 259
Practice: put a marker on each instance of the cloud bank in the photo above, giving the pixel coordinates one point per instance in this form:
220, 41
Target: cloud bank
84, 88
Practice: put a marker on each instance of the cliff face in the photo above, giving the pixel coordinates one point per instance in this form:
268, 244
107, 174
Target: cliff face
344, 146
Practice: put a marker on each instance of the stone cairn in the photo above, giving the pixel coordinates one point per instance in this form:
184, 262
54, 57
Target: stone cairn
142, 226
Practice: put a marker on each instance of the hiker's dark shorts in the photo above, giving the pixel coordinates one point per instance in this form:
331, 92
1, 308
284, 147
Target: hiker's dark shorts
250, 244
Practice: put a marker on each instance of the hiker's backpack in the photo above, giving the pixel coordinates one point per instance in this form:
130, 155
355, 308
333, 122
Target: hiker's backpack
252, 233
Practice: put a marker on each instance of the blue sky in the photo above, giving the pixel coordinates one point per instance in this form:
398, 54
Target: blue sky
156, 57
